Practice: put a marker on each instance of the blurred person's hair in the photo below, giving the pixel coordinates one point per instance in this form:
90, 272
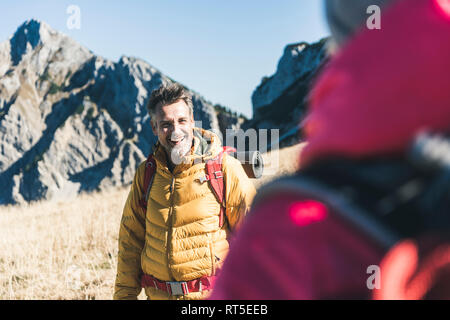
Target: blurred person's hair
168, 93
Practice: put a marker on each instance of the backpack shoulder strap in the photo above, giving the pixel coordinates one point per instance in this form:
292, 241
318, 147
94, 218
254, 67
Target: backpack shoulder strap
214, 175
150, 169
309, 187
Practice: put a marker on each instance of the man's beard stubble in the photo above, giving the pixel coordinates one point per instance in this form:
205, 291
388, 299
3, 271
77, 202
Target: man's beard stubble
178, 153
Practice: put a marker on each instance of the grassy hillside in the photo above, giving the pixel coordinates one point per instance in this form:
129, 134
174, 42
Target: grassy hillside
68, 250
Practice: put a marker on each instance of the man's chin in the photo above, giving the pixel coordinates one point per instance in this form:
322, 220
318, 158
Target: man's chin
178, 153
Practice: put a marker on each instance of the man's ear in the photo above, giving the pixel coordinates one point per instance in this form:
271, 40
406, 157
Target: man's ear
154, 127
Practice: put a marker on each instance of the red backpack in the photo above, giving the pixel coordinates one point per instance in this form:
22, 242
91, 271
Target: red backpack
214, 175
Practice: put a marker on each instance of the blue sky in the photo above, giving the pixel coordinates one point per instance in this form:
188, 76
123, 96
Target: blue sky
220, 49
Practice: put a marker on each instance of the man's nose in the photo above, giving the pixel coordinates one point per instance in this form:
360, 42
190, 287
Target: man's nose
176, 127
172, 128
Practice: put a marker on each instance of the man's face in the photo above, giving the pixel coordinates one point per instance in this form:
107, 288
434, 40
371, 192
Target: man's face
174, 124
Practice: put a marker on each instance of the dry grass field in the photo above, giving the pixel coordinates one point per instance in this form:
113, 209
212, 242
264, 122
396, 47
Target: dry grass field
68, 250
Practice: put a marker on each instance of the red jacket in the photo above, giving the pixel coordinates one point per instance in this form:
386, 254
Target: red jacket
373, 98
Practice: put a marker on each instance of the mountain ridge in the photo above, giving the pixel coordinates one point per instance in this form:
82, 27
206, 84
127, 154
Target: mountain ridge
72, 121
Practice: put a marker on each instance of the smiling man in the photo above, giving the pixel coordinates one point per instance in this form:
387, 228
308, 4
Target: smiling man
174, 233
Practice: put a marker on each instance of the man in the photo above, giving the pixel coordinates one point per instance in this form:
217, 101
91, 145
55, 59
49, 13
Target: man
362, 218
177, 245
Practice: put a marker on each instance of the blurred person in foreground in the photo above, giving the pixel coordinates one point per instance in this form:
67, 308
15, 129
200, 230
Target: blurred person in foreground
174, 231
368, 215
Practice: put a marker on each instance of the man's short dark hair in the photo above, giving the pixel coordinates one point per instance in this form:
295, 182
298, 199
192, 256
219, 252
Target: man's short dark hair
168, 93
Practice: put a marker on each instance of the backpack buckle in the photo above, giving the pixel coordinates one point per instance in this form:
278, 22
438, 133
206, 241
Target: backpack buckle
218, 174
177, 288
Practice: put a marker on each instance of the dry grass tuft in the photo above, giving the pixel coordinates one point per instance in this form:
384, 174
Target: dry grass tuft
64, 250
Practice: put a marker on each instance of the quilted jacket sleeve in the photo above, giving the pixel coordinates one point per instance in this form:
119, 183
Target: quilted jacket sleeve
240, 192
131, 242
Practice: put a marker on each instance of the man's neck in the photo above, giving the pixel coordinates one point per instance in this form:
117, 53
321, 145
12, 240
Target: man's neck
170, 165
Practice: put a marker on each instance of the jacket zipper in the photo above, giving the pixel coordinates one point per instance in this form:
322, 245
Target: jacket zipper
170, 220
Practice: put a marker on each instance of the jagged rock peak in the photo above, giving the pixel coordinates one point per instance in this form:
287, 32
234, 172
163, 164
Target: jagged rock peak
29, 34
298, 60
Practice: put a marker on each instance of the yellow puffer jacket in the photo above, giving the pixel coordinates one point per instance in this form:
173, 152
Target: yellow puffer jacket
178, 238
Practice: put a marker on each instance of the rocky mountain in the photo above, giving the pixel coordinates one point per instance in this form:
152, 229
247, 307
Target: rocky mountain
71, 121
280, 101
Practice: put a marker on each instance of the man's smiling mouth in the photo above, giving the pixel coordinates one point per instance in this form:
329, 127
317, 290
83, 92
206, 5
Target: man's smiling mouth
176, 142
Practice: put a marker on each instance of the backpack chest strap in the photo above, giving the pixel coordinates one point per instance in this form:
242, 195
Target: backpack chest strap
215, 177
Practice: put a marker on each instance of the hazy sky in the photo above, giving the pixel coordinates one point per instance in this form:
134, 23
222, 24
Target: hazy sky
221, 49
